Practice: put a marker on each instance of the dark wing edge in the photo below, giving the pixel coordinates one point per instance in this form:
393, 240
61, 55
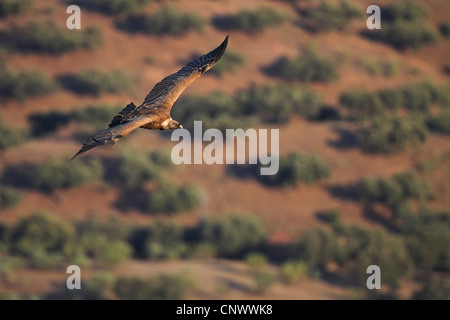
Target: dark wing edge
201, 65
209, 59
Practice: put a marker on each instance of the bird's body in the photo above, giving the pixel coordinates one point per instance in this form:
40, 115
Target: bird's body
154, 112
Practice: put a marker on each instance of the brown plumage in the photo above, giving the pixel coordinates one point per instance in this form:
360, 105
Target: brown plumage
154, 112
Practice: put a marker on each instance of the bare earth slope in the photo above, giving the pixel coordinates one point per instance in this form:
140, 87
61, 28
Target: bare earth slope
285, 212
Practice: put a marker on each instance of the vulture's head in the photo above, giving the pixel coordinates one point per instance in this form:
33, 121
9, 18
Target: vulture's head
174, 125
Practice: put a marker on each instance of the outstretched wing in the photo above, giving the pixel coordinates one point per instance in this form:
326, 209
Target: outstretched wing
170, 88
113, 134
166, 92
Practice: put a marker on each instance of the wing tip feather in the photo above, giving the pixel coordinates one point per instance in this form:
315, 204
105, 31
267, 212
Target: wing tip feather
219, 51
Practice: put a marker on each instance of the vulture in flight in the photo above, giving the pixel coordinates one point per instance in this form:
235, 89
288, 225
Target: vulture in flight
154, 112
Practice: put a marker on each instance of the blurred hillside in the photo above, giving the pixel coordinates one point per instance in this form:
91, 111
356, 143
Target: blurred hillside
364, 120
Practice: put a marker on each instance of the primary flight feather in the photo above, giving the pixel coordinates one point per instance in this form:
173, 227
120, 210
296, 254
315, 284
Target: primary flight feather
154, 112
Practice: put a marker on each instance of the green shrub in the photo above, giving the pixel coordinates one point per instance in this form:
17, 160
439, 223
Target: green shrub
256, 21
362, 104
105, 241
10, 137
57, 173
161, 240
405, 27
440, 123
32, 83
403, 34
445, 29
331, 216
419, 96
391, 192
161, 287
95, 82
309, 104
228, 63
292, 271
202, 251
99, 286
308, 67
442, 96
306, 168
113, 6
20, 85
112, 229
389, 68
41, 235
115, 252
161, 158
7, 267
391, 98
427, 244
42, 260
46, 242
97, 116
355, 248
165, 241
422, 244
346, 243
414, 186
316, 248
46, 37
416, 97
9, 197
104, 248
386, 251
389, 135
434, 289
13, 7
368, 189
274, 104
135, 168
406, 10
262, 281
328, 16
255, 261
167, 21
394, 191
376, 68
403, 210
190, 195
233, 235
168, 198
296, 168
